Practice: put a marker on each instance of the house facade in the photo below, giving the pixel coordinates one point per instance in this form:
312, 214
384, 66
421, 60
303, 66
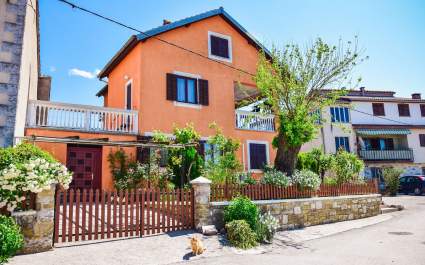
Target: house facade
384, 130
151, 86
197, 70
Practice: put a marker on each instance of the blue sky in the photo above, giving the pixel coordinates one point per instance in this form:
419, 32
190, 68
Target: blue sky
75, 45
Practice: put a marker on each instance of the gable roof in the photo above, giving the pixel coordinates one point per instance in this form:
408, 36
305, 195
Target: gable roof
133, 40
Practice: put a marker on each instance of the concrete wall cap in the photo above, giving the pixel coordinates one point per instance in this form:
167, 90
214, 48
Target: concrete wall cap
200, 180
24, 213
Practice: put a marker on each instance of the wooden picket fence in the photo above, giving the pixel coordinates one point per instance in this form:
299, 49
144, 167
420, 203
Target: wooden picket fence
28, 204
224, 192
94, 215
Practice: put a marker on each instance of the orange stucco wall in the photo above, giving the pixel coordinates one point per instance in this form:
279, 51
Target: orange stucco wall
59, 150
148, 63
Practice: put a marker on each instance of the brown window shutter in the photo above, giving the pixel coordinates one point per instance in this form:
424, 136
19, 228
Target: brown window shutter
422, 140
171, 87
203, 92
423, 110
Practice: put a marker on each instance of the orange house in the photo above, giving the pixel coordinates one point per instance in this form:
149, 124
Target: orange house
188, 71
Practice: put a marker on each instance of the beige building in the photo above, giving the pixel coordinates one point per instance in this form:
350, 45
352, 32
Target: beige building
384, 130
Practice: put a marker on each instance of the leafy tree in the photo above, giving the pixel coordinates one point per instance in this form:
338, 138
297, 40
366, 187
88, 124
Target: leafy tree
347, 167
185, 161
315, 160
292, 84
391, 177
225, 167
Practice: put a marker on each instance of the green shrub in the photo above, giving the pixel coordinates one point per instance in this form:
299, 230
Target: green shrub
391, 177
330, 181
22, 153
240, 234
248, 179
347, 167
306, 179
315, 160
11, 239
242, 208
275, 177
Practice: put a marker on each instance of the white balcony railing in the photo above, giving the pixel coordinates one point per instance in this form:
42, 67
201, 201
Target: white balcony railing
406, 154
247, 120
46, 114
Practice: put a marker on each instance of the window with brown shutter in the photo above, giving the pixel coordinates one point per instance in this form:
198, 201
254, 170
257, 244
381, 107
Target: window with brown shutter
171, 87
422, 110
403, 110
422, 140
187, 90
378, 109
219, 47
257, 156
203, 92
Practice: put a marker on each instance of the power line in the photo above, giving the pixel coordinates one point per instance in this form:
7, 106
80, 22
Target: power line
151, 36
388, 119
72, 5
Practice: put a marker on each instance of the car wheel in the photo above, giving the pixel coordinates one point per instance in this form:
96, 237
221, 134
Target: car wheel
417, 191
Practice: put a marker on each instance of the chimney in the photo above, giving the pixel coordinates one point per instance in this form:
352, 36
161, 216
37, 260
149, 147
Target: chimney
43, 88
416, 96
362, 90
165, 22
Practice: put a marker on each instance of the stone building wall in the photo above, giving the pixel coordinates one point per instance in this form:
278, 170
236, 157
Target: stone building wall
12, 16
19, 67
297, 213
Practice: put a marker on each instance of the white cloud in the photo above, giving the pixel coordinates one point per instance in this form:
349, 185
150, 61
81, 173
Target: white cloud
83, 73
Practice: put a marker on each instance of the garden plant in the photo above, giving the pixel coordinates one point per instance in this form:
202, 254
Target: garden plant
11, 239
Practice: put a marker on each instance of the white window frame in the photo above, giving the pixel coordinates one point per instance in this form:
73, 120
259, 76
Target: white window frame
215, 57
125, 94
340, 107
189, 105
248, 142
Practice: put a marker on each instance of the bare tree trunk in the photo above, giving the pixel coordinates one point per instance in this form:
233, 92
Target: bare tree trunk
286, 156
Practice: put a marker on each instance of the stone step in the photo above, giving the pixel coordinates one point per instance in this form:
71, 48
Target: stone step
388, 210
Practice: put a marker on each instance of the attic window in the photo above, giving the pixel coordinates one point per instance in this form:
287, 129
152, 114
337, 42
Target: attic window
219, 47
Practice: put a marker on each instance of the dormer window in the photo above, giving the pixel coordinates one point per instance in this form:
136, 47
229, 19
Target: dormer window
219, 47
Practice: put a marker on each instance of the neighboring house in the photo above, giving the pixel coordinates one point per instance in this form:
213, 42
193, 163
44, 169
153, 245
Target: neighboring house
382, 129
19, 66
156, 86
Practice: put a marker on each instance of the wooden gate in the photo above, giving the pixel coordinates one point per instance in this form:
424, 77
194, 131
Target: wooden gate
95, 215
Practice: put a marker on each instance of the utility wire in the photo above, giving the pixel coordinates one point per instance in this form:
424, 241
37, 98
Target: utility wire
150, 36
72, 5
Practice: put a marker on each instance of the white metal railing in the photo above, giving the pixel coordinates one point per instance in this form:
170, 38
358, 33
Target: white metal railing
81, 117
247, 120
406, 154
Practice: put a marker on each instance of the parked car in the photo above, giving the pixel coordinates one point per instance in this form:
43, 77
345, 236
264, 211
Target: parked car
412, 184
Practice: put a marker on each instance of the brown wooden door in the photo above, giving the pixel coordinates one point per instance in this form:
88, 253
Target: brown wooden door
86, 165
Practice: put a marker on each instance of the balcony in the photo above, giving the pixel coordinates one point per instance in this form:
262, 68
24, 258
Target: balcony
64, 116
379, 155
247, 120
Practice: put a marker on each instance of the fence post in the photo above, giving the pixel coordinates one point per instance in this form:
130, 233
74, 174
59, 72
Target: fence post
38, 225
201, 193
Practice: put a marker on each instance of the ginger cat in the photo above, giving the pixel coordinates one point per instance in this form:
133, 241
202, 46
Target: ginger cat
196, 245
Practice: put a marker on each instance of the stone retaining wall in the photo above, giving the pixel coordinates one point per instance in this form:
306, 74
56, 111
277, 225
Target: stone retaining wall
297, 213
38, 225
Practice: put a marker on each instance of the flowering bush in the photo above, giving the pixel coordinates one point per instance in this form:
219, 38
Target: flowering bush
275, 177
306, 179
34, 174
268, 224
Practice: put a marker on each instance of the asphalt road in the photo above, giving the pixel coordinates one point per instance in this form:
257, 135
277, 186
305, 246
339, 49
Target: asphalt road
400, 240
